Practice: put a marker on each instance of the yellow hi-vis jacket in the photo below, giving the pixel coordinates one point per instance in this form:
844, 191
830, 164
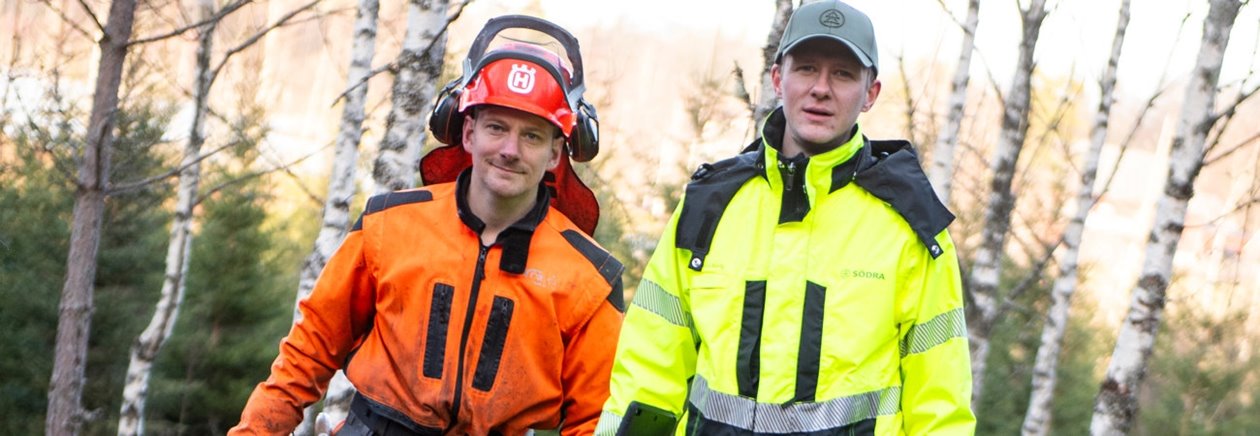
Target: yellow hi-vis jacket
767, 310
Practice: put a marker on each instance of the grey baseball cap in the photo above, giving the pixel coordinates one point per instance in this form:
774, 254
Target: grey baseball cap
831, 19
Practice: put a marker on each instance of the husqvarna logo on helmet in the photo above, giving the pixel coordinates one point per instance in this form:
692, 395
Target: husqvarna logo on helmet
522, 79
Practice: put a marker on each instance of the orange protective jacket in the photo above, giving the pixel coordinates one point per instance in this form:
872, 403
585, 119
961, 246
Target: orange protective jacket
455, 337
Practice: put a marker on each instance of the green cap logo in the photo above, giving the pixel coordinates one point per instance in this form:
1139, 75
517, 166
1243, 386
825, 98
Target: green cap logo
831, 18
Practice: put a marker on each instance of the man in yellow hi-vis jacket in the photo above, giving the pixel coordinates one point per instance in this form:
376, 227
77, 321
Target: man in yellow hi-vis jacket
808, 285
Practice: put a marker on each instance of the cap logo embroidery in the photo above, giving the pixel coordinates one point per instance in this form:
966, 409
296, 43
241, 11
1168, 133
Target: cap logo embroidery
521, 80
831, 18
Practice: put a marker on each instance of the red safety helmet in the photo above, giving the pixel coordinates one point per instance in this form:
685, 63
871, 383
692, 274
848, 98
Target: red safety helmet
525, 77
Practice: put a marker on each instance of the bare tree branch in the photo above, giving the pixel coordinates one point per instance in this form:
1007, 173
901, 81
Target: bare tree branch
119, 188
1232, 150
993, 82
961, 25
1047, 249
392, 67
214, 73
227, 10
1162, 87
95, 20
45, 138
316, 199
741, 91
1062, 108
909, 99
1227, 115
59, 162
1128, 139
253, 175
1237, 208
67, 20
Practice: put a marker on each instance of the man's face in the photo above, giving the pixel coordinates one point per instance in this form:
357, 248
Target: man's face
824, 87
511, 151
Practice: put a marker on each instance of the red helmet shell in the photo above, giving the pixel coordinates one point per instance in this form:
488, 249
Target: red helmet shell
522, 85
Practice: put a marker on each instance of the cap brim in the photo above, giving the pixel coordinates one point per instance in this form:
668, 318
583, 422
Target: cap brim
862, 56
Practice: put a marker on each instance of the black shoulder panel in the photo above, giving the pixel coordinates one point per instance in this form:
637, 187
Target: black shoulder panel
607, 265
708, 194
390, 199
895, 177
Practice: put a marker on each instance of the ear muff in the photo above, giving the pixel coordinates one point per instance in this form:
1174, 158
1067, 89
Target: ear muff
584, 139
446, 124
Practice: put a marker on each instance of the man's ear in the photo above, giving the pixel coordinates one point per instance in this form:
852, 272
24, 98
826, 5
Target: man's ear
468, 131
872, 93
557, 150
776, 76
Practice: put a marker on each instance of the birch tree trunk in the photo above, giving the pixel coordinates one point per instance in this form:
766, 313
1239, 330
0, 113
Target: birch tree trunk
1117, 402
767, 100
942, 173
144, 350
74, 313
419, 67
987, 267
1046, 365
341, 186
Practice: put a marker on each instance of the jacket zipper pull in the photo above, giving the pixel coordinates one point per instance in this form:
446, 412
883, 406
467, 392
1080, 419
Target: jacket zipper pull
789, 172
481, 260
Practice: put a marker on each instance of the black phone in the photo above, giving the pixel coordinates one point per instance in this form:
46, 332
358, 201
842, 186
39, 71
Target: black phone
646, 420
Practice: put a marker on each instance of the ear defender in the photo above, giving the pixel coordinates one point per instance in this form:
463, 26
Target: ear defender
446, 124
584, 139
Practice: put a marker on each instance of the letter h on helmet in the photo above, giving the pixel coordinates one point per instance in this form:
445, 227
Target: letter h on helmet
525, 77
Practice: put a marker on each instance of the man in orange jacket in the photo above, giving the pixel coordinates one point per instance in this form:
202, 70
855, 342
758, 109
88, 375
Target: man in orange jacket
476, 306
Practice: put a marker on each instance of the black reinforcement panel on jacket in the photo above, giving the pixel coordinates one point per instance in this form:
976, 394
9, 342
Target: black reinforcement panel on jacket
390, 199
607, 265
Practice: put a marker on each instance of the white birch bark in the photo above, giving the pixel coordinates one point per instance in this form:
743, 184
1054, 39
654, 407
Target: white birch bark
336, 217
767, 100
1046, 366
341, 184
144, 351
419, 67
942, 172
987, 267
1116, 406
65, 412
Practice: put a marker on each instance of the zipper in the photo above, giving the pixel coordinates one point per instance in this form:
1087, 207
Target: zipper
790, 168
478, 275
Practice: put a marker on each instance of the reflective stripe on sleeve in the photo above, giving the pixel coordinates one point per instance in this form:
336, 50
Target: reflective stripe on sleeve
651, 297
608, 423
799, 417
943, 327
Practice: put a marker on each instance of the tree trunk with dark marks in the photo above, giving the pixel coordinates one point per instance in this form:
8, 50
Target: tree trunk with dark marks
419, 67
65, 414
341, 184
144, 351
942, 173
1117, 404
767, 100
1046, 366
986, 269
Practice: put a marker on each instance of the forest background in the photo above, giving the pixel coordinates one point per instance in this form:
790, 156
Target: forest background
244, 136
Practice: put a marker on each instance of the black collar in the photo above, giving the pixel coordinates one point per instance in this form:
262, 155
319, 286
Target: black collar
773, 130
514, 239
